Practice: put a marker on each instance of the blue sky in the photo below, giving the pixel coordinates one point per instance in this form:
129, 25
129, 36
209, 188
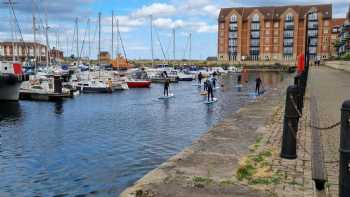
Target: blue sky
198, 17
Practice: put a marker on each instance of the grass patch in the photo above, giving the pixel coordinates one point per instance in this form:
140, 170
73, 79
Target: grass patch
199, 181
256, 169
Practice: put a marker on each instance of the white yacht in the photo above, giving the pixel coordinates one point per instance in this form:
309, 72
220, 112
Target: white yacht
11, 77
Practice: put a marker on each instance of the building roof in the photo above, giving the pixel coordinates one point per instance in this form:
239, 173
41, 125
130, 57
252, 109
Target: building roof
274, 12
21, 43
336, 22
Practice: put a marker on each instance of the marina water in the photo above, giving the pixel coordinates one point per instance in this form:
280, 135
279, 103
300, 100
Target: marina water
99, 144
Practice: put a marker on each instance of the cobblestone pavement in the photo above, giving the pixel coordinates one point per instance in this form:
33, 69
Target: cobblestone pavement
295, 175
330, 88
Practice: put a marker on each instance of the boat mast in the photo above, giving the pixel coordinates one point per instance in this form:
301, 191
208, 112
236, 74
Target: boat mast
47, 38
112, 55
89, 37
11, 20
118, 37
34, 35
174, 45
77, 29
152, 52
190, 48
99, 43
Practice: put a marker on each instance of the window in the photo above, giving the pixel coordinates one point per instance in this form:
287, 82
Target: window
254, 42
288, 34
232, 42
275, 25
232, 35
289, 17
267, 24
275, 32
233, 27
267, 32
312, 33
288, 42
288, 25
255, 26
313, 16
313, 41
233, 18
275, 48
267, 40
267, 48
312, 50
275, 40
313, 25
288, 50
221, 34
255, 18
325, 31
255, 34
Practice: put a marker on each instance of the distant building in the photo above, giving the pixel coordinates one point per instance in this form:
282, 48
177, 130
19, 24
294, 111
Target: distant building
120, 63
336, 29
104, 57
56, 55
344, 37
273, 33
22, 51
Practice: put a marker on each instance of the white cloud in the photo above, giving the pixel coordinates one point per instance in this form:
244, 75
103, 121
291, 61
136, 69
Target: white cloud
155, 9
168, 23
212, 10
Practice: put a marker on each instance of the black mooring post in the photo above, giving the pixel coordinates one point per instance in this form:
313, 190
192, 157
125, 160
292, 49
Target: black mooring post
344, 161
290, 125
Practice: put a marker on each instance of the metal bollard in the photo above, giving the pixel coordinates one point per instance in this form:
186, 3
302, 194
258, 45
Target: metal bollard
290, 125
344, 161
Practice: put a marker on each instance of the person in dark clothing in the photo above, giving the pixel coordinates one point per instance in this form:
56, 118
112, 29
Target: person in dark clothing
166, 87
210, 90
164, 74
239, 79
200, 77
214, 82
205, 86
258, 84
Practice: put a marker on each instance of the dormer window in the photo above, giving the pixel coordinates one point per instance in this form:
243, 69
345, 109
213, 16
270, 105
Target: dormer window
233, 18
313, 16
255, 18
289, 17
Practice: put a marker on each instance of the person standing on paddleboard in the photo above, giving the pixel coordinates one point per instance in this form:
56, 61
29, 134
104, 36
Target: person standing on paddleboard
258, 83
210, 90
200, 77
166, 87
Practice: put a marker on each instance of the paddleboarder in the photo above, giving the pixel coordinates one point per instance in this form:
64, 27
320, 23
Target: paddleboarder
210, 90
258, 83
166, 87
239, 79
214, 82
200, 77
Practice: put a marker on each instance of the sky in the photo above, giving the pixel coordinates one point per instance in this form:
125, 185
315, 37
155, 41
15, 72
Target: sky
195, 17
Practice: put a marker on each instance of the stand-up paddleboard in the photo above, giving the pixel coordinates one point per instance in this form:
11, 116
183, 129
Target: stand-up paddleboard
204, 93
167, 97
211, 101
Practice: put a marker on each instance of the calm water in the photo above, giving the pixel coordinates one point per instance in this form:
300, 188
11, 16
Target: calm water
97, 145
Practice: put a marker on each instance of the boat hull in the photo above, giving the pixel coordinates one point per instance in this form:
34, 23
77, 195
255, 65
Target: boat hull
96, 90
139, 84
9, 91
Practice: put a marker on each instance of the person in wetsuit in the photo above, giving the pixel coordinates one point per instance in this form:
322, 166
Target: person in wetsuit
258, 83
239, 79
166, 87
214, 82
200, 77
210, 90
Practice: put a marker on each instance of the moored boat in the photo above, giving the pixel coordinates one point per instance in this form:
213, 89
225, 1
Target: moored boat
11, 77
139, 83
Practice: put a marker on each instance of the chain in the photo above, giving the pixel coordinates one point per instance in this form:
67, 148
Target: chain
326, 128
295, 136
295, 106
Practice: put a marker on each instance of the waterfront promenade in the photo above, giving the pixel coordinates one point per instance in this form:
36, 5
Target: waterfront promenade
240, 156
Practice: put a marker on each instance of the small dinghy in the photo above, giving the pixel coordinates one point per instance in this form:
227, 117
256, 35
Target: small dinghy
211, 101
171, 95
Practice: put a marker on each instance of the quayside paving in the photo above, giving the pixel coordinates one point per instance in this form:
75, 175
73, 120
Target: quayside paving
210, 166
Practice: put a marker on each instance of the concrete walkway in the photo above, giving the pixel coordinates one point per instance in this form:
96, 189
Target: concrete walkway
340, 65
330, 87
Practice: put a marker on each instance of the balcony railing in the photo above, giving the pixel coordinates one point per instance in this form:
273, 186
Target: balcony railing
289, 27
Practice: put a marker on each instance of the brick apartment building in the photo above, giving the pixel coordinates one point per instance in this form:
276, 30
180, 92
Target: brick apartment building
274, 33
22, 51
344, 37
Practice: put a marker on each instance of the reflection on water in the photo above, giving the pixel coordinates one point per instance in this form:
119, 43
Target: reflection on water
97, 145
9, 111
